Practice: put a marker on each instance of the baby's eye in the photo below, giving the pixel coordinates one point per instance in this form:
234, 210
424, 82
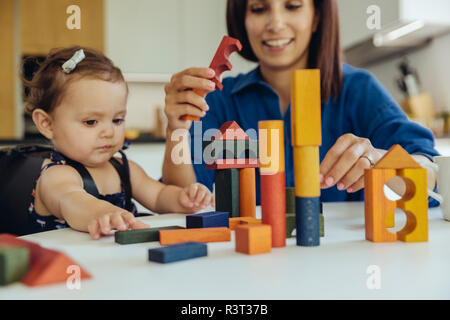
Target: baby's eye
118, 121
90, 122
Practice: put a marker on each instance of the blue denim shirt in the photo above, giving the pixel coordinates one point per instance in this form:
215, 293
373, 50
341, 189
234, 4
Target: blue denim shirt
364, 108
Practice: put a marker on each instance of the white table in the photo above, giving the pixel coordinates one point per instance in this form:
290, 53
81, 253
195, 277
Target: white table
337, 269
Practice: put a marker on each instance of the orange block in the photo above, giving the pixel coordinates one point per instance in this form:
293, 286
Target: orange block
397, 158
46, 266
306, 108
52, 267
253, 238
377, 206
247, 192
273, 206
195, 234
233, 222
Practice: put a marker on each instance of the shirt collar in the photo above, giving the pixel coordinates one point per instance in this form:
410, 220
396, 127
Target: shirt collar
249, 79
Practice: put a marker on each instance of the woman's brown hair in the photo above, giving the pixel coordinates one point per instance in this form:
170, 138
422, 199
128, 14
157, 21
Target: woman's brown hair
48, 84
324, 48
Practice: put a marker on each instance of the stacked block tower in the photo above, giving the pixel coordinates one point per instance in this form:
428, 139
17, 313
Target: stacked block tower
306, 139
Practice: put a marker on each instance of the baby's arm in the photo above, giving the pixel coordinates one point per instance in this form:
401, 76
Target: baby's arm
60, 189
162, 198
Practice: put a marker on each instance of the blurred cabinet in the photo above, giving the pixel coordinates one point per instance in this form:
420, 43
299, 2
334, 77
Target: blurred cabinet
44, 25
7, 66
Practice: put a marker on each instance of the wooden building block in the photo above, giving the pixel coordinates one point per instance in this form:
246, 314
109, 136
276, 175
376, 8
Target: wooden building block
229, 149
415, 205
196, 235
219, 64
230, 130
243, 220
14, 263
376, 206
290, 200
271, 146
396, 158
273, 206
307, 219
253, 239
222, 164
211, 219
322, 225
46, 266
247, 192
140, 235
227, 195
306, 172
178, 252
290, 224
306, 108
51, 268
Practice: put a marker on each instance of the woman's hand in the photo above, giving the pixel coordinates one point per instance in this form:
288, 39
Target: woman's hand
120, 220
195, 197
345, 162
181, 98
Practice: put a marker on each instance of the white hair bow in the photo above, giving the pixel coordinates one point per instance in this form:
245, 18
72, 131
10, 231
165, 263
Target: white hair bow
70, 64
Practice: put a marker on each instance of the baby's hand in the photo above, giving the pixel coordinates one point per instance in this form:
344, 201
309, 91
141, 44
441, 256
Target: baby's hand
196, 197
120, 220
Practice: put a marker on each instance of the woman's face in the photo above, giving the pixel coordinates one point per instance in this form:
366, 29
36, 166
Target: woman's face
279, 31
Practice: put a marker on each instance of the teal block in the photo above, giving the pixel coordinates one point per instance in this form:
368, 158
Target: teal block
140, 235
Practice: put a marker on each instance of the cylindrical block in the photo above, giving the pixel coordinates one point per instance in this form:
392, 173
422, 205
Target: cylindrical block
306, 171
247, 190
273, 206
307, 221
271, 146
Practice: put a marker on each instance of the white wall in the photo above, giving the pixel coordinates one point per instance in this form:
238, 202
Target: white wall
353, 18
163, 36
437, 11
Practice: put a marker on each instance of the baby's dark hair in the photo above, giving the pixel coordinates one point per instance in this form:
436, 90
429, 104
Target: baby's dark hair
48, 84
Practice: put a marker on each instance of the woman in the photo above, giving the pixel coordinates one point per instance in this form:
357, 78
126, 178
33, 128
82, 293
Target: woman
360, 120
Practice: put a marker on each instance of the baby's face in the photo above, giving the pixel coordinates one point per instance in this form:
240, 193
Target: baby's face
89, 123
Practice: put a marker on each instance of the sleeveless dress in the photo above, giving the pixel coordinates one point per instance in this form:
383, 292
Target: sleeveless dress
39, 223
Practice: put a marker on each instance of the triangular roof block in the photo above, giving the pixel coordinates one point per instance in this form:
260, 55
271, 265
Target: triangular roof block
52, 267
230, 131
396, 158
46, 266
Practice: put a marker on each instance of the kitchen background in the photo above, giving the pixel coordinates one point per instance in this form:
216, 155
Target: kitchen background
152, 39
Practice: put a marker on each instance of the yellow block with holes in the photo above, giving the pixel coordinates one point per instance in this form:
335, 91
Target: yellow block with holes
415, 205
306, 108
306, 172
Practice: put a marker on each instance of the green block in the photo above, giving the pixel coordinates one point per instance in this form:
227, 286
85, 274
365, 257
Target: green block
227, 191
140, 235
14, 264
290, 224
290, 200
322, 225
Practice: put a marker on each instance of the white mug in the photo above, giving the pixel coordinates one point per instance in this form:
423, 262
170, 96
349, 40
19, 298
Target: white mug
442, 169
